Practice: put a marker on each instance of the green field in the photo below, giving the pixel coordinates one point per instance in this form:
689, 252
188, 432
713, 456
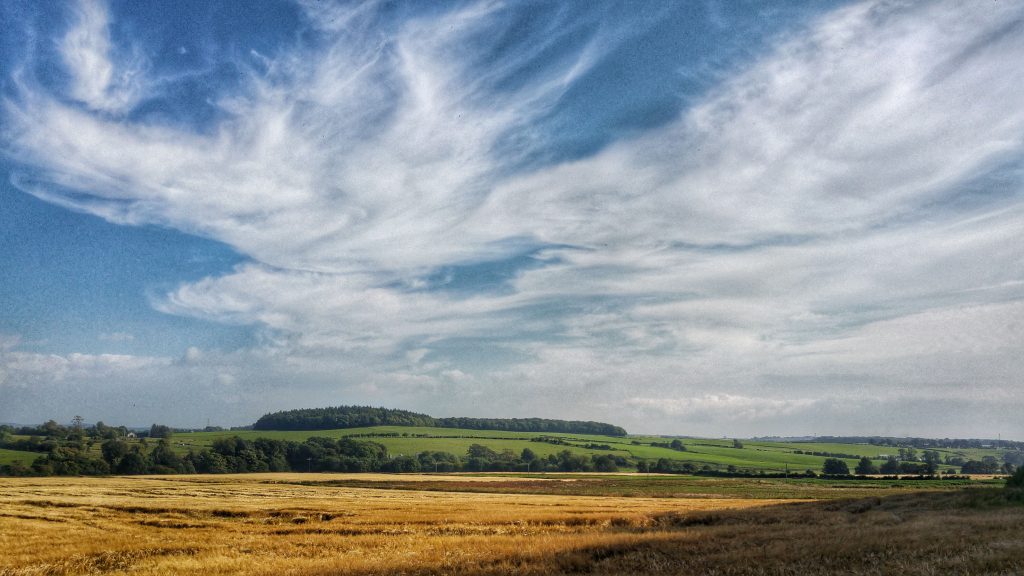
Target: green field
717, 453
12, 456
454, 440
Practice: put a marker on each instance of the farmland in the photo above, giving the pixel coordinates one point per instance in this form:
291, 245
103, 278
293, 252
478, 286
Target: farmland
408, 449
716, 453
306, 524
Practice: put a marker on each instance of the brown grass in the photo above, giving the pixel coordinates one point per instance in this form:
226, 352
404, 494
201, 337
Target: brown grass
250, 525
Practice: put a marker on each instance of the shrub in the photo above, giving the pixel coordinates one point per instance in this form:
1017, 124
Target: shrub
1017, 480
835, 466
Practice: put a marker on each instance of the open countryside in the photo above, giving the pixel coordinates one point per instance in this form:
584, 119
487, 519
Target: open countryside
497, 499
512, 288
490, 445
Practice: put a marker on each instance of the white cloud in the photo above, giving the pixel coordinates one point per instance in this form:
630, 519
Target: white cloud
99, 80
725, 407
809, 226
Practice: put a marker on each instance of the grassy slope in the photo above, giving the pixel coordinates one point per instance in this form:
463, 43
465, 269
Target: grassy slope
12, 456
494, 439
716, 452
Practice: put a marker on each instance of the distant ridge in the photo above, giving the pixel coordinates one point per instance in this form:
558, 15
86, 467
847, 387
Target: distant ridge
361, 416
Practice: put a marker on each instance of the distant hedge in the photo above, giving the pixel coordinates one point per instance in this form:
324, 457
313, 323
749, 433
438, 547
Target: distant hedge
362, 416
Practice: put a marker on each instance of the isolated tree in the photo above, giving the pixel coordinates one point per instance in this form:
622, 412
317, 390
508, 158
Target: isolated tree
932, 459
677, 444
159, 431
835, 467
736, 443
866, 466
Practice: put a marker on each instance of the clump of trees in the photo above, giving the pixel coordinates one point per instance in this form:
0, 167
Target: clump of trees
835, 467
363, 416
827, 454
1016, 482
866, 466
923, 443
987, 465
676, 444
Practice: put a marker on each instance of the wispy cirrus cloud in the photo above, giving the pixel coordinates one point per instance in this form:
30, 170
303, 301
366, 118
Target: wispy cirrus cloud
821, 218
104, 79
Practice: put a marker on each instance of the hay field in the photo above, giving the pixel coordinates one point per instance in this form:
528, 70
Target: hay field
264, 524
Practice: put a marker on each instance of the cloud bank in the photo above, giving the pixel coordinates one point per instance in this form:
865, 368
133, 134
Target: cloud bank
829, 237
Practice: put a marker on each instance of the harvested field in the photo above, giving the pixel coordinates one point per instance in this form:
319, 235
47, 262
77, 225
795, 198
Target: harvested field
268, 524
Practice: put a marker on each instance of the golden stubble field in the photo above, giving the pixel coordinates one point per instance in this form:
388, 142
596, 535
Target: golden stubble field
263, 524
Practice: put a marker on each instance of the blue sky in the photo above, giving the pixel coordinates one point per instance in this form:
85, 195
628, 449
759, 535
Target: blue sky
714, 218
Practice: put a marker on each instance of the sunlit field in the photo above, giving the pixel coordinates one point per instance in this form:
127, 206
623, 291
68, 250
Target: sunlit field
315, 524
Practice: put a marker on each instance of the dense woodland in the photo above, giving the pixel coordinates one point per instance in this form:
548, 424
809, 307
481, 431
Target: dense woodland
362, 416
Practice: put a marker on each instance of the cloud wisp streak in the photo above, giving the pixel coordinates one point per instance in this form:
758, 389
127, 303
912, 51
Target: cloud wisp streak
836, 219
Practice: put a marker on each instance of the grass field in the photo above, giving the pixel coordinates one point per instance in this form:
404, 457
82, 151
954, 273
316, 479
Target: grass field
279, 524
12, 456
717, 453
453, 440
772, 456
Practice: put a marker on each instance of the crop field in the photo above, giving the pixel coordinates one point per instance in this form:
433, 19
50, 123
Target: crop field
314, 524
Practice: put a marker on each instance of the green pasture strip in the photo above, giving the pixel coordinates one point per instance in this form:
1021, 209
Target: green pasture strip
19, 456
419, 439
715, 452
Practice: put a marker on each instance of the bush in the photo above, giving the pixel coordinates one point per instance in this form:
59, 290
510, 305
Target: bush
1017, 480
866, 466
835, 467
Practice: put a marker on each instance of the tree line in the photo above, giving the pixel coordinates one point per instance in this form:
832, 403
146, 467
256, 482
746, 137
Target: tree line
365, 416
238, 455
923, 443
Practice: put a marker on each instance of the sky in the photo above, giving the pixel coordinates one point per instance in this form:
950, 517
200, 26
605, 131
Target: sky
694, 218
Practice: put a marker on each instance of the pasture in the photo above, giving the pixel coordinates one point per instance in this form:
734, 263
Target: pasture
305, 524
19, 456
717, 453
